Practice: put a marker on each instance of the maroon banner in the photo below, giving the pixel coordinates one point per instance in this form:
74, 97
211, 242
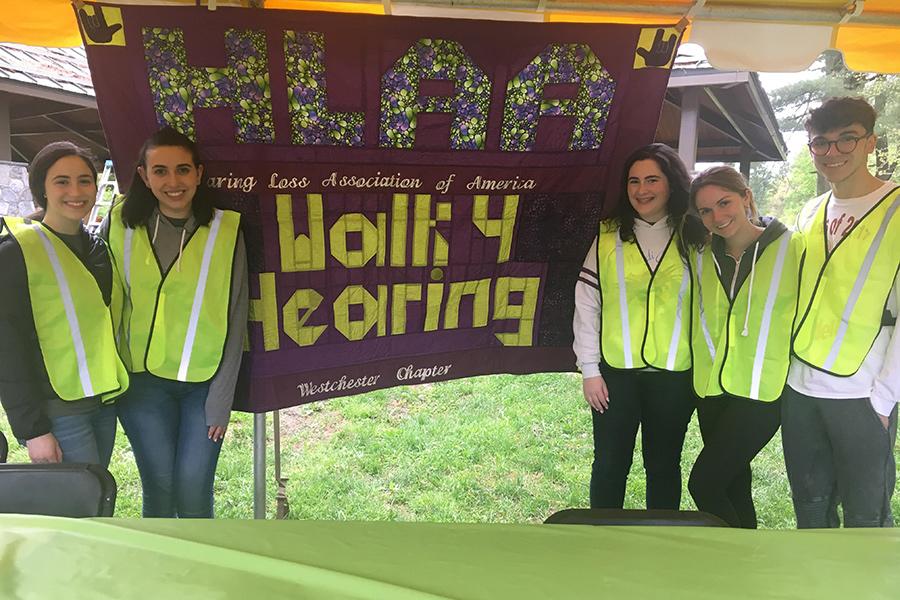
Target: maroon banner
417, 194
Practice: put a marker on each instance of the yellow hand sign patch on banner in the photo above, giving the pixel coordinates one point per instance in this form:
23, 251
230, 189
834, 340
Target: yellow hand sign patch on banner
656, 48
102, 28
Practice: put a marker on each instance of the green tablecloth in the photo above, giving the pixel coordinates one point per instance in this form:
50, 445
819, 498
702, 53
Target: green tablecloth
47, 558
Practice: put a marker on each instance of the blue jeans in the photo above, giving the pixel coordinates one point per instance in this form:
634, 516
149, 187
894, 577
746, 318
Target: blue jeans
837, 451
165, 421
88, 437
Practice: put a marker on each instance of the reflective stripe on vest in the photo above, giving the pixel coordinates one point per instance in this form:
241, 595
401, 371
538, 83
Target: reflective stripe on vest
701, 315
176, 322
191, 335
842, 300
765, 326
133, 257
642, 315
754, 366
66, 302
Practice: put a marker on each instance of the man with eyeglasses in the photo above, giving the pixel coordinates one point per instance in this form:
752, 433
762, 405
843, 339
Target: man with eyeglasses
839, 411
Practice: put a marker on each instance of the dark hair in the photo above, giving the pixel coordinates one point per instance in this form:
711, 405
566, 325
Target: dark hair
45, 159
140, 201
841, 112
691, 229
726, 178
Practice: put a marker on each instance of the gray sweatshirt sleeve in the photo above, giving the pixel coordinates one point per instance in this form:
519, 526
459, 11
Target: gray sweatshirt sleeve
221, 387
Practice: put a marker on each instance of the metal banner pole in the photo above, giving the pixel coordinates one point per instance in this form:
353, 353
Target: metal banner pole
259, 466
282, 507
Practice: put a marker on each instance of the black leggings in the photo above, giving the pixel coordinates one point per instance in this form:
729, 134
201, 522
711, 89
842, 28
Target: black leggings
662, 403
734, 431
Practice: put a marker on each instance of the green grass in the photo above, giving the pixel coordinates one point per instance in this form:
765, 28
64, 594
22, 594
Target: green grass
487, 449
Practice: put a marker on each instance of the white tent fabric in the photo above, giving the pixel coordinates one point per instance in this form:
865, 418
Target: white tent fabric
765, 44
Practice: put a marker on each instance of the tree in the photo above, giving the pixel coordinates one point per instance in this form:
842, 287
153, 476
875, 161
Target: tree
765, 179
793, 102
798, 188
781, 190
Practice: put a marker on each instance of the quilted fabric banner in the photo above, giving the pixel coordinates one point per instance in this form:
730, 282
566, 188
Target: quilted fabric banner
417, 195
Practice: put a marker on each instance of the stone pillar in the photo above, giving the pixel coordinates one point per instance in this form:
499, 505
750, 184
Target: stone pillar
15, 197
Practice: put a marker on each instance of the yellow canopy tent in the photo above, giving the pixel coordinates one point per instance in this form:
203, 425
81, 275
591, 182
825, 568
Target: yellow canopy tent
758, 35
761, 35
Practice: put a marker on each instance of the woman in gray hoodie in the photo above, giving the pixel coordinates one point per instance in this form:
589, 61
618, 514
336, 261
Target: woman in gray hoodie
744, 303
180, 302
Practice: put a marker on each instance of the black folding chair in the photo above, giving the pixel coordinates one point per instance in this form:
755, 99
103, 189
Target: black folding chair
62, 490
621, 516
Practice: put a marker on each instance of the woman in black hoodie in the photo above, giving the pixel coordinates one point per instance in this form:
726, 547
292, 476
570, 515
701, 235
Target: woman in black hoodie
59, 370
743, 306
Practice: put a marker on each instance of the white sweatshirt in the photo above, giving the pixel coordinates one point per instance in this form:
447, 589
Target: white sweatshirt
652, 240
879, 376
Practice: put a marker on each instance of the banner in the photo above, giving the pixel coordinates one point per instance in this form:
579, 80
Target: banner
417, 195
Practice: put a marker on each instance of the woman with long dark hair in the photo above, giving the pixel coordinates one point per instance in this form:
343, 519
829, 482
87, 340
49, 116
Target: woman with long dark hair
745, 298
632, 330
181, 267
59, 369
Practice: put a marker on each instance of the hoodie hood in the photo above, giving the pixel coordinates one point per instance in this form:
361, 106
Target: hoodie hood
773, 230
727, 264
733, 272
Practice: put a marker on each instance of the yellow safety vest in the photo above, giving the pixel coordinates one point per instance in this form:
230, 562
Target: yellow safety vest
73, 324
644, 313
755, 365
843, 293
174, 324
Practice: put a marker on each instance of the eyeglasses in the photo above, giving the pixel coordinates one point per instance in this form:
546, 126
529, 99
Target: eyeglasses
844, 145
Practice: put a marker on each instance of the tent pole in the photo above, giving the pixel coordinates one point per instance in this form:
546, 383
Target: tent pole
259, 466
687, 135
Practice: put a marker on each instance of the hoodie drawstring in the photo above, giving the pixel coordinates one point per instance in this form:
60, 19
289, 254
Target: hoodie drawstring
745, 332
181, 250
155, 230
180, 245
153, 239
716, 262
